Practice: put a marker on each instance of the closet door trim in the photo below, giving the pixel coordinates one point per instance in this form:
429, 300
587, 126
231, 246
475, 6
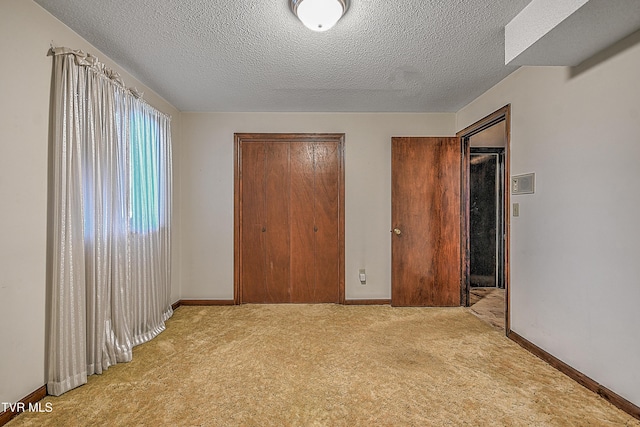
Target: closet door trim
247, 138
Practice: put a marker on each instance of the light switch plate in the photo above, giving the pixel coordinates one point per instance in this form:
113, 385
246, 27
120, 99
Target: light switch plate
516, 209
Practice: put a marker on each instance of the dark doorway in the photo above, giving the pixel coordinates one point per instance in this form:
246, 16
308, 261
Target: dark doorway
486, 217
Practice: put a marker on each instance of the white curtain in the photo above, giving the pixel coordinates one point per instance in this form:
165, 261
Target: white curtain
110, 239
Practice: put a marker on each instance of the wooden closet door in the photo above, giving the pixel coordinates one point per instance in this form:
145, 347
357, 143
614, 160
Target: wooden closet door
289, 237
277, 247
302, 223
315, 220
327, 221
253, 222
265, 225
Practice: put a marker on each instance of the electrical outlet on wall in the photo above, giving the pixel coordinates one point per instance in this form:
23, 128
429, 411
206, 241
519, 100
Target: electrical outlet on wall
362, 275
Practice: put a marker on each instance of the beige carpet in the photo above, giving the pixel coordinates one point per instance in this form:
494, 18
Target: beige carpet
329, 365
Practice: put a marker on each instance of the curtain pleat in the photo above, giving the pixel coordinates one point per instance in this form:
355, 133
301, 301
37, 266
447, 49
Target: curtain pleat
111, 236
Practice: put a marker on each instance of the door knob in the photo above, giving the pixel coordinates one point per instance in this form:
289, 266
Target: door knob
397, 231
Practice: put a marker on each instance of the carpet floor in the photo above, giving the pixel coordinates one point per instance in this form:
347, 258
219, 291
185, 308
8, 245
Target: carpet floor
328, 365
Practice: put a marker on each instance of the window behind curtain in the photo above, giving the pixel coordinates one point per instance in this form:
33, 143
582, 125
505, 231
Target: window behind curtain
144, 185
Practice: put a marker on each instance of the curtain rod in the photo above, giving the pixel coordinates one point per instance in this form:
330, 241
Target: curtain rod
91, 61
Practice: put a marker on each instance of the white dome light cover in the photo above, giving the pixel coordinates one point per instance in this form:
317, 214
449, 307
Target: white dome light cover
319, 15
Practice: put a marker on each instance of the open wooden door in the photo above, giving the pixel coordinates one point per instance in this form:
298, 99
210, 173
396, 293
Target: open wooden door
425, 198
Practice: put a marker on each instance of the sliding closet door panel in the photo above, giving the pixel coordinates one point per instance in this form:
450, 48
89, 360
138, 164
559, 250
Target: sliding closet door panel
326, 204
277, 222
253, 220
302, 226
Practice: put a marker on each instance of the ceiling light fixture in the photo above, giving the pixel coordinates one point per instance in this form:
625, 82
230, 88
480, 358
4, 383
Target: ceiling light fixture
319, 15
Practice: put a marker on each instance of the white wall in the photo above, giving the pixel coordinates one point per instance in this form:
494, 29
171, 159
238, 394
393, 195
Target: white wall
575, 276
207, 191
26, 31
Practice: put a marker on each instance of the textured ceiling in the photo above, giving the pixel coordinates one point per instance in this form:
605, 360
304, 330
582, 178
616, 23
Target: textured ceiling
383, 56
